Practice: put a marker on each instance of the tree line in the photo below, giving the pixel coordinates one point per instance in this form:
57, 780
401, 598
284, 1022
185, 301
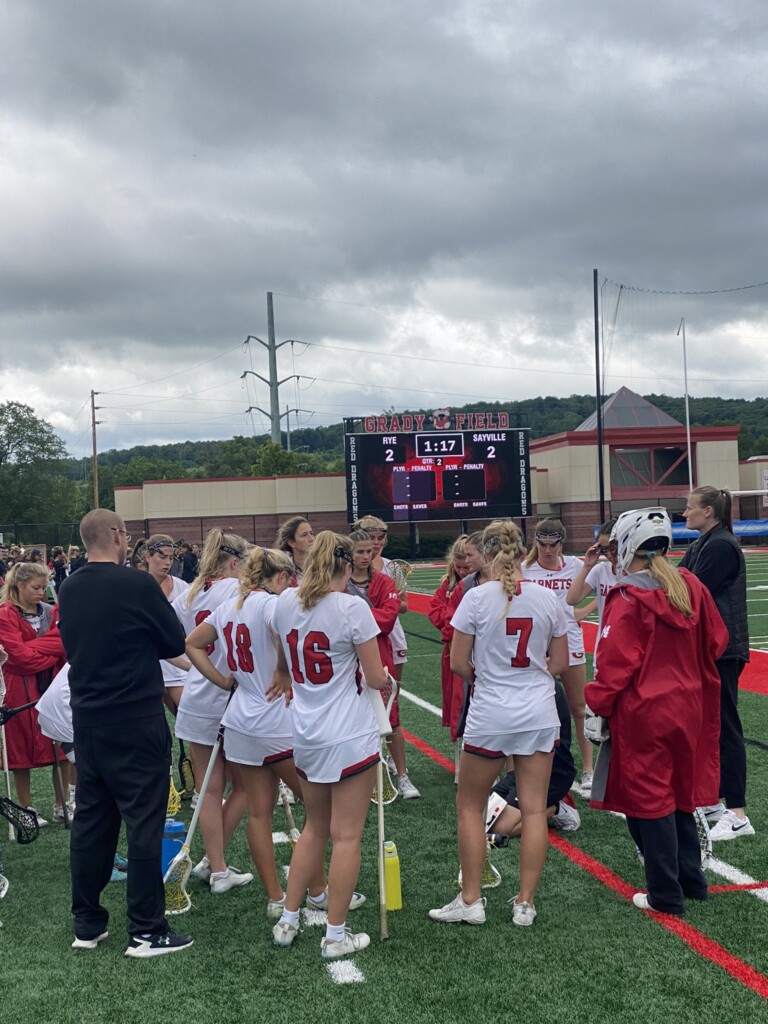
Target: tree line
40, 483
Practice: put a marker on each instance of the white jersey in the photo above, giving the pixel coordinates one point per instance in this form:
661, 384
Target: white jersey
173, 676
559, 582
601, 578
397, 635
329, 702
54, 712
200, 698
514, 691
250, 649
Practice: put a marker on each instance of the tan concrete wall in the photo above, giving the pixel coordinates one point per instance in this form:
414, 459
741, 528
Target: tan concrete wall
571, 473
129, 504
717, 464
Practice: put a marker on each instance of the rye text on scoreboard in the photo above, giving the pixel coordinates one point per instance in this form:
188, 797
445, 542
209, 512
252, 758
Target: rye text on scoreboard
438, 474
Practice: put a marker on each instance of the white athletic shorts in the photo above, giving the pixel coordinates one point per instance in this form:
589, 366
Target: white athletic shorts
256, 750
503, 744
195, 729
339, 760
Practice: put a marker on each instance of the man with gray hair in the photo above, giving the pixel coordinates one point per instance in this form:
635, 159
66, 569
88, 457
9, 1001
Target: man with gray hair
117, 625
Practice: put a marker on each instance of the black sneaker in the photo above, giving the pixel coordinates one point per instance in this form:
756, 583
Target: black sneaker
157, 945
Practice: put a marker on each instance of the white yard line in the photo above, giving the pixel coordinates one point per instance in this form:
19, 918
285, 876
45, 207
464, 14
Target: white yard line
420, 703
280, 837
345, 972
736, 877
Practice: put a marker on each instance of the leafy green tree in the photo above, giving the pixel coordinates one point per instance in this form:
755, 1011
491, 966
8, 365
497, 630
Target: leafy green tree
33, 484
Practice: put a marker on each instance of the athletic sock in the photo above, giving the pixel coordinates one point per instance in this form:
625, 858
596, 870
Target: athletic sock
317, 897
335, 932
290, 917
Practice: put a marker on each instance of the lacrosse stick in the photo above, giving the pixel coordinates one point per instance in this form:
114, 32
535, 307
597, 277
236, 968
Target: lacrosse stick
4, 883
64, 793
4, 750
186, 774
705, 837
22, 821
385, 729
386, 787
293, 832
399, 570
177, 899
174, 798
6, 714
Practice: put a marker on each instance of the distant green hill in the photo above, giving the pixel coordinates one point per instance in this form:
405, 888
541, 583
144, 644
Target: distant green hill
321, 449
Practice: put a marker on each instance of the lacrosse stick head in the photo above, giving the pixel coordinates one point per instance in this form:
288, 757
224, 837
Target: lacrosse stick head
388, 790
177, 899
704, 835
23, 821
4, 885
174, 801
186, 777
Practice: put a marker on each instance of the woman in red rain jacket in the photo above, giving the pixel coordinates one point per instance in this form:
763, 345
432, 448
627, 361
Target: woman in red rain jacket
30, 635
658, 688
438, 606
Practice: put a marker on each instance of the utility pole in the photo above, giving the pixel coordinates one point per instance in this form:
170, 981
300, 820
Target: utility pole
599, 401
273, 383
687, 413
94, 457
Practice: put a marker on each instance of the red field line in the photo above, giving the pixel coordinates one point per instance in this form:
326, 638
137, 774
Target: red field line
692, 937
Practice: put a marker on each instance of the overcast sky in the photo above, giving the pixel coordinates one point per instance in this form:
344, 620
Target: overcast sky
424, 185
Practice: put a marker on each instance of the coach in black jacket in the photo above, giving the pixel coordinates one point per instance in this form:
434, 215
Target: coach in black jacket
116, 626
718, 561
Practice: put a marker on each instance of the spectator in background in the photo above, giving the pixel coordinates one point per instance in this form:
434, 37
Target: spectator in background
189, 563
76, 559
58, 566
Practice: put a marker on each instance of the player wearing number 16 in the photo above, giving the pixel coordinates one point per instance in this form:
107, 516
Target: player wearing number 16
326, 636
509, 641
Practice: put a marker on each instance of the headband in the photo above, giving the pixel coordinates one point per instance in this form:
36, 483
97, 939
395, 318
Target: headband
344, 555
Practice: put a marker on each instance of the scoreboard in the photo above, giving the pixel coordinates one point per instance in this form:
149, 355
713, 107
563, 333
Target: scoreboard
465, 474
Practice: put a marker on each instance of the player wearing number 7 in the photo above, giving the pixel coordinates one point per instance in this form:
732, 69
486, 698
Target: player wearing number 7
258, 733
326, 637
509, 641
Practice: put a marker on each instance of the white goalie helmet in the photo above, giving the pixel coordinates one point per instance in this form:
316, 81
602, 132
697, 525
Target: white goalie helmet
642, 529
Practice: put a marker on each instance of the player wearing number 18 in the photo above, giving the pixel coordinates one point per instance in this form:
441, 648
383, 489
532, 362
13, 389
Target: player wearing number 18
509, 641
326, 636
258, 734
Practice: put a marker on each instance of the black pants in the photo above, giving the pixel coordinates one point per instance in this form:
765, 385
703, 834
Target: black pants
122, 773
670, 846
733, 753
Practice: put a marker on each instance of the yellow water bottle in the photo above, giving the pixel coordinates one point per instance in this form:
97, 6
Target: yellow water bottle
392, 877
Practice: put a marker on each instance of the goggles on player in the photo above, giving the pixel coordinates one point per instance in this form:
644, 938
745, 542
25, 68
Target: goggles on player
548, 540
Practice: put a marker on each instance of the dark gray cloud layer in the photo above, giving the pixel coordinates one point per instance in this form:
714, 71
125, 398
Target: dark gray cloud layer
456, 169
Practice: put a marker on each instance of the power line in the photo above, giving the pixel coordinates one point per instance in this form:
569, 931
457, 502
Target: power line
130, 387
709, 291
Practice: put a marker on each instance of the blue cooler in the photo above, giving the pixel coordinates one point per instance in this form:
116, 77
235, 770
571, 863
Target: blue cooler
173, 839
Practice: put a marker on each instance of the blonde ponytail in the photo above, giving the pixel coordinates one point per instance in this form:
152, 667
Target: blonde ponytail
327, 557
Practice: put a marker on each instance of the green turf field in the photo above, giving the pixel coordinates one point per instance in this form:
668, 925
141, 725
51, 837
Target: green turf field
590, 957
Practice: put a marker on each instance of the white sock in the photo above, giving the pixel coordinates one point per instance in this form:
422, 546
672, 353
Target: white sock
335, 932
290, 917
317, 897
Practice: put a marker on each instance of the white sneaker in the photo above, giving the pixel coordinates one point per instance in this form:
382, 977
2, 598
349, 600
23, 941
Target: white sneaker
193, 801
713, 812
458, 910
321, 902
351, 943
202, 870
391, 767
41, 821
58, 812
223, 881
640, 900
731, 827
523, 913
89, 943
565, 818
275, 909
284, 933
586, 784
406, 788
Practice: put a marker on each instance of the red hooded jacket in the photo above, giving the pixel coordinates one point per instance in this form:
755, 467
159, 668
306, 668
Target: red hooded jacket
659, 689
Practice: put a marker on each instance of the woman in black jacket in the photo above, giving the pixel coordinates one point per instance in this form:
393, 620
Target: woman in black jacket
718, 561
